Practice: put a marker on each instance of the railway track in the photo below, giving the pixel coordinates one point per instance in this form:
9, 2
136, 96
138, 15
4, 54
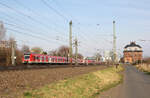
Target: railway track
28, 67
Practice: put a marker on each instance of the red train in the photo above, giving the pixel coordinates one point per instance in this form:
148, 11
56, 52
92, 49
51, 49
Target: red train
31, 58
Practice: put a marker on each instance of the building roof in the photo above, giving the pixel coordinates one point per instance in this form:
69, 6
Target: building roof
90, 58
132, 44
133, 51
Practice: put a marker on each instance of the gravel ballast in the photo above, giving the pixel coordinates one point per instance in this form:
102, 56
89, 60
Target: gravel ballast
14, 83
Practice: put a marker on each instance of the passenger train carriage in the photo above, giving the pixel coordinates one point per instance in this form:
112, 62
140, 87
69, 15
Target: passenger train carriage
31, 58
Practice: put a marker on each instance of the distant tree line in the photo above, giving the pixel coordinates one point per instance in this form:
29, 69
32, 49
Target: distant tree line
6, 52
63, 51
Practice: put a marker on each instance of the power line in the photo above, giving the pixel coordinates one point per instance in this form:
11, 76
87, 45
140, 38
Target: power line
23, 15
68, 14
31, 35
19, 12
54, 10
84, 35
22, 28
36, 13
17, 20
72, 17
15, 25
61, 16
57, 12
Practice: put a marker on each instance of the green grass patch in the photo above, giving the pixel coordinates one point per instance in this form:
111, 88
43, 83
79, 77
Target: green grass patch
84, 86
27, 94
148, 73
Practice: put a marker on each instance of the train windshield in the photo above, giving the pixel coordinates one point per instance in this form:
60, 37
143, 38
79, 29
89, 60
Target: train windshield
26, 57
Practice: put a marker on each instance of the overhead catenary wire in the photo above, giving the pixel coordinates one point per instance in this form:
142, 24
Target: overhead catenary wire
28, 16
28, 34
84, 35
38, 33
15, 21
60, 14
14, 24
87, 38
57, 12
81, 32
34, 36
53, 9
67, 14
30, 30
38, 14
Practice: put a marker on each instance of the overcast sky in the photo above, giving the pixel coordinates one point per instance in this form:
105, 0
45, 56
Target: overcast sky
34, 23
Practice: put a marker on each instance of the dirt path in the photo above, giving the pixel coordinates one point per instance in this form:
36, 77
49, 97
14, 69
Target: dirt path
13, 83
136, 85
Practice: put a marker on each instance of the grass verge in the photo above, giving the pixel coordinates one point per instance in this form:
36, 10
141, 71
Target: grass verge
144, 68
84, 86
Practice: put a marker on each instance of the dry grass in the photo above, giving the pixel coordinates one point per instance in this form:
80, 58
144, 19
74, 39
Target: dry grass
144, 67
84, 86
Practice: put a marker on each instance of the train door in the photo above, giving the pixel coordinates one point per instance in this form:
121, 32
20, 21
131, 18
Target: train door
40, 59
49, 59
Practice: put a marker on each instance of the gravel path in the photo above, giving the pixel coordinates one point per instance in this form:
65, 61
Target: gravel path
136, 84
14, 83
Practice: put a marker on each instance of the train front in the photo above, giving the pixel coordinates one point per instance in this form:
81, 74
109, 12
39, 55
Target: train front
26, 58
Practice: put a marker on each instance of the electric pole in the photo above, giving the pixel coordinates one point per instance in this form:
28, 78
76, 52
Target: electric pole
114, 44
70, 42
76, 51
13, 44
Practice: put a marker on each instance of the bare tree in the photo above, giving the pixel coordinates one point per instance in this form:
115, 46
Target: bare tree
98, 56
80, 56
53, 53
25, 49
63, 51
6, 51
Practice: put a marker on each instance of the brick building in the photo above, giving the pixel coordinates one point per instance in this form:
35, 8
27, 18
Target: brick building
133, 53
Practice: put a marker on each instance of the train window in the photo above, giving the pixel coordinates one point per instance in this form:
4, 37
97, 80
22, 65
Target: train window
41, 58
44, 58
53, 59
49, 59
26, 57
33, 57
36, 58
60, 59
